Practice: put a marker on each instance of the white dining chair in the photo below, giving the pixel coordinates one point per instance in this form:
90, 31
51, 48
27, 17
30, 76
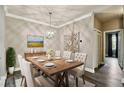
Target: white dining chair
57, 53
21, 67
67, 54
32, 81
79, 71
21, 64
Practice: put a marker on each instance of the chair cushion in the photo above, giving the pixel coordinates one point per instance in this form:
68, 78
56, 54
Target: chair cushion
41, 81
77, 71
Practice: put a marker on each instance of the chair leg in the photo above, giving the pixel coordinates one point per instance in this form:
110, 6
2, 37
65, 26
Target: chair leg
39, 72
21, 81
76, 82
43, 74
23, 78
83, 77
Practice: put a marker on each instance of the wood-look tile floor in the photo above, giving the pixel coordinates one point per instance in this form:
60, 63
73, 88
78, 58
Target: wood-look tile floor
108, 75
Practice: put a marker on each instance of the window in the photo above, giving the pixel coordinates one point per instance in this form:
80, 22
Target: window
113, 42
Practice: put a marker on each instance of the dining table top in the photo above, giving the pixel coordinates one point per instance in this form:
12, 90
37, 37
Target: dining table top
61, 65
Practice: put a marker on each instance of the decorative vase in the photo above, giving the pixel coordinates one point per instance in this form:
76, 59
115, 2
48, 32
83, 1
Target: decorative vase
11, 70
49, 57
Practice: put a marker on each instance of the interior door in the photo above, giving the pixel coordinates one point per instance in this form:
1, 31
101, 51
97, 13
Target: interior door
99, 50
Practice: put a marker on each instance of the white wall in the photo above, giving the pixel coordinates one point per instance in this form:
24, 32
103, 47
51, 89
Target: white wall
2, 47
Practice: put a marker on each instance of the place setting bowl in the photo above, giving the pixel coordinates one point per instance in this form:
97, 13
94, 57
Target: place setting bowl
49, 65
35, 57
69, 61
57, 58
40, 60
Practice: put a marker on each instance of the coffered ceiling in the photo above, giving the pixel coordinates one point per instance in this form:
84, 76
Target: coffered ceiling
61, 13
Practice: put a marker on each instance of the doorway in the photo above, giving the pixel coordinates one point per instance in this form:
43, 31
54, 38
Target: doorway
111, 44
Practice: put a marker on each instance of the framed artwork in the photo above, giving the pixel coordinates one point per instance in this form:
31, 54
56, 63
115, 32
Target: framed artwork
67, 43
35, 41
71, 42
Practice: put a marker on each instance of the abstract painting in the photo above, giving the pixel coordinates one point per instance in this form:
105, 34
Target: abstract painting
35, 41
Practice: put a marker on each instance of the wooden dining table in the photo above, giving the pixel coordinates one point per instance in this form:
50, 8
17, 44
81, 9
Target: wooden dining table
59, 71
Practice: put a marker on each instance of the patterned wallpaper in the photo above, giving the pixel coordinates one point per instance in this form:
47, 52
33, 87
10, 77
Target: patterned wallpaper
17, 31
86, 35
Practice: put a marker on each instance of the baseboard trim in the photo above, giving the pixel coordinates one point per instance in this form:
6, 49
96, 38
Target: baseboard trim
90, 70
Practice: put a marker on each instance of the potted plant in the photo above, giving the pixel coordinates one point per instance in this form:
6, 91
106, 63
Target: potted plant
10, 59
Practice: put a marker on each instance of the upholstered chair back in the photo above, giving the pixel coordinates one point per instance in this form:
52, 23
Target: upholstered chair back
57, 53
21, 64
29, 73
67, 54
82, 58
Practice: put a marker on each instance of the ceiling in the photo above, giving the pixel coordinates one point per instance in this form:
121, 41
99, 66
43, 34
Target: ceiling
110, 13
61, 13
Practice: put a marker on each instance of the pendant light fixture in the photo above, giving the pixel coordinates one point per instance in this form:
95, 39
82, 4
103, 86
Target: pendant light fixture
50, 34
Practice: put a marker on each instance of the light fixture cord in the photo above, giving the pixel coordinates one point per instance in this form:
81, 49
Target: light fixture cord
50, 13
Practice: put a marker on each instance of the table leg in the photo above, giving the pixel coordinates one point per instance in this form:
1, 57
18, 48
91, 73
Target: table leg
62, 79
57, 80
66, 79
